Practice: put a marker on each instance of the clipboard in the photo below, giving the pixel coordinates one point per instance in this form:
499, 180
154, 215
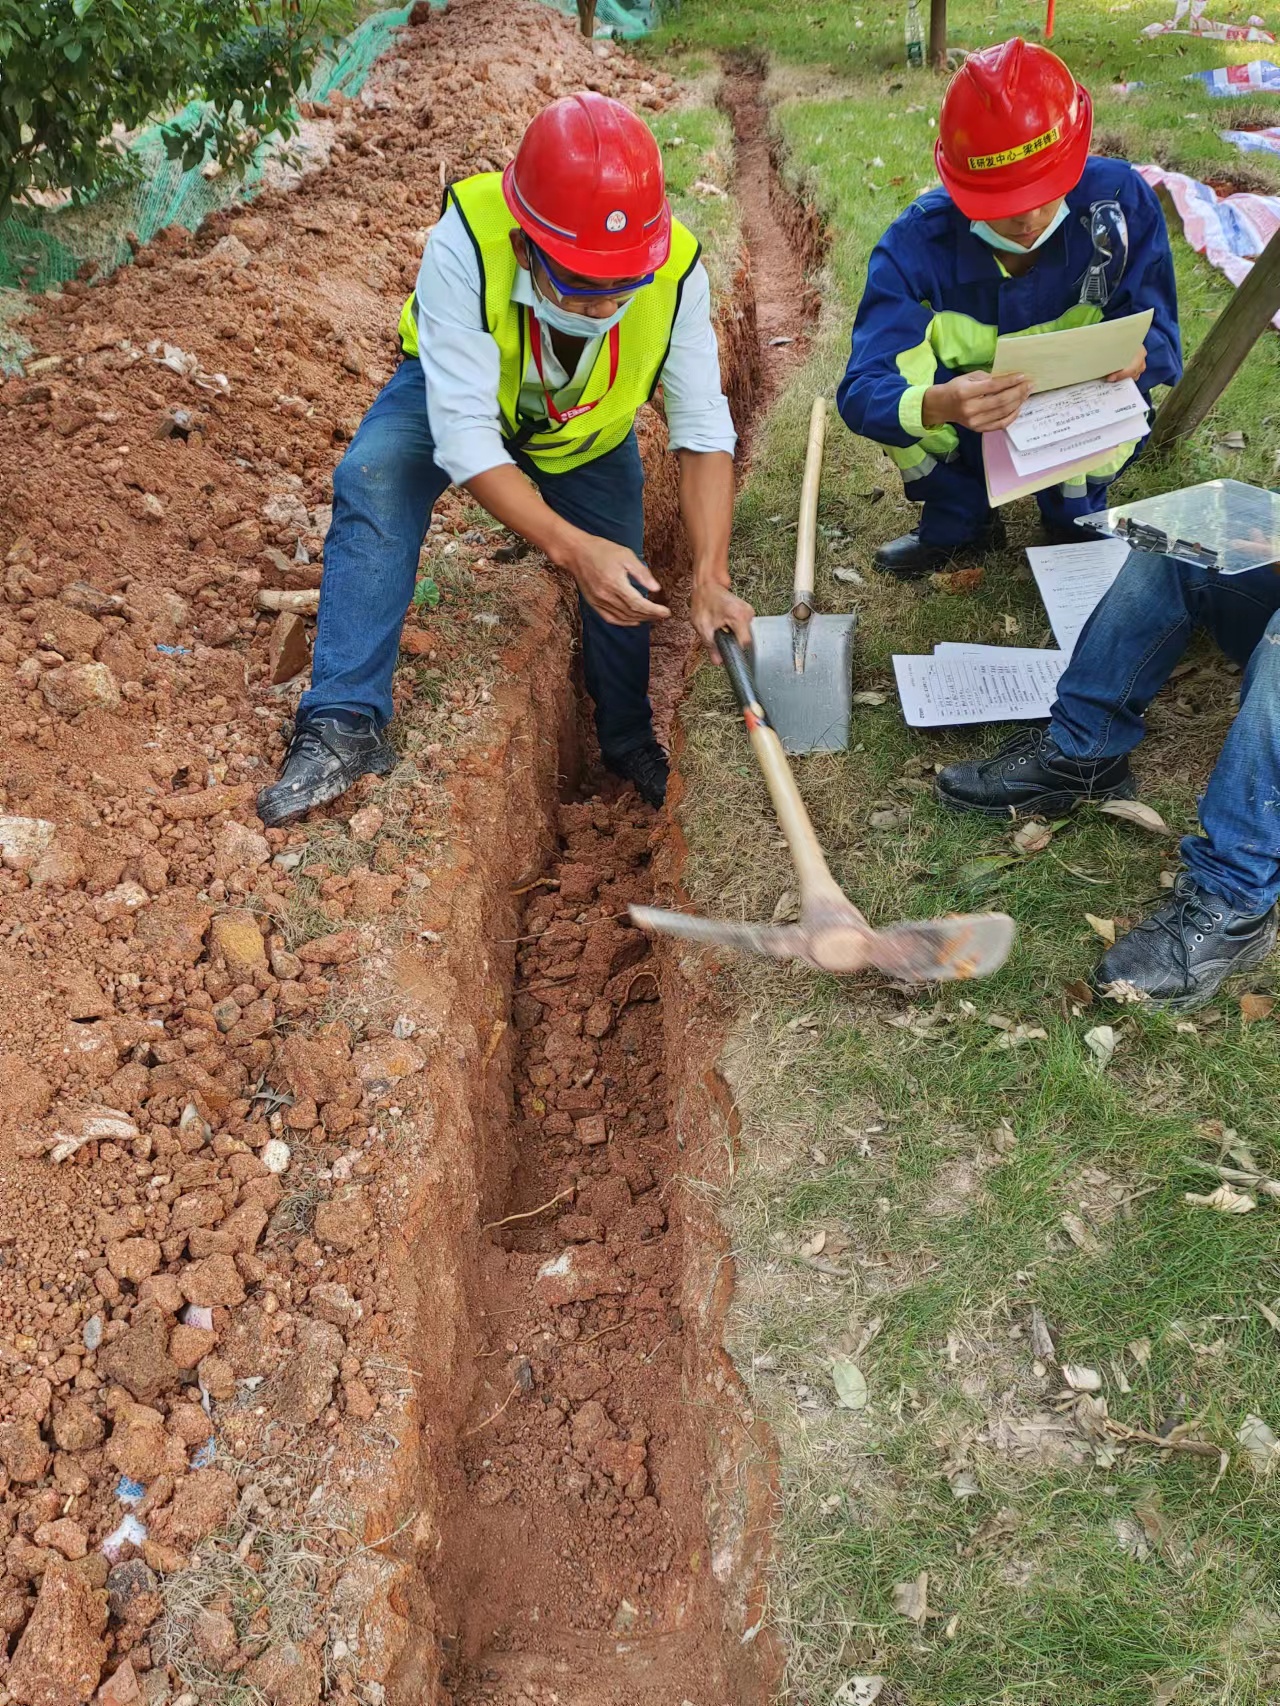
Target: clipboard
1224, 525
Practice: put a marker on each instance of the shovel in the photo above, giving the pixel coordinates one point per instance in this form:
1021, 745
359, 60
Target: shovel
831, 934
803, 662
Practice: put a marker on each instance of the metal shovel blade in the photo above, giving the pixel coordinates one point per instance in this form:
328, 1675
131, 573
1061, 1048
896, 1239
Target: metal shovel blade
804, 674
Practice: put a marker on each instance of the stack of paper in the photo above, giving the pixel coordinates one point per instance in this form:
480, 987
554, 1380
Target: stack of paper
1074, 420
977, 684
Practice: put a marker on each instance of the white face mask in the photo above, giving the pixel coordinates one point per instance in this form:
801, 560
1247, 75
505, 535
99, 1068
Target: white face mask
559, 319
1006, 245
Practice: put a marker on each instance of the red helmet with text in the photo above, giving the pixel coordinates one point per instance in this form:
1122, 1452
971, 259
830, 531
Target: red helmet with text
586, 186
1014, 131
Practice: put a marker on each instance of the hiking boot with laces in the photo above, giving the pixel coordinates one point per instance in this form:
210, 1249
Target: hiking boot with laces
1028, 775
910, 559
326, 755
1182, 955
646, 767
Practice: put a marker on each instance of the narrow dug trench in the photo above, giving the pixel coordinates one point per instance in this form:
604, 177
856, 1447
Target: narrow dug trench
577, 1564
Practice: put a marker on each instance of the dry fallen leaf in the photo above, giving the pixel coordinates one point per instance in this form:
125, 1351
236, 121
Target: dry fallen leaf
1104, 927
870, 697
816, 1245
850, 1384
787, 908
1224, 1199
1261, 1446
1164, 1689
1033, 837
1080, 1378
1140, 1351
1042, 1346
964, 1484
1079, 992
1268, 1314
1255, 1007
858, 1691
1080, 1234
1101, 1043
1133, 811
911, 1599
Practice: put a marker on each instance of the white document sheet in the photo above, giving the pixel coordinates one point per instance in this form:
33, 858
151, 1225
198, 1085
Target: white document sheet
977, 684
1072, 581
1096, 444
1059, 417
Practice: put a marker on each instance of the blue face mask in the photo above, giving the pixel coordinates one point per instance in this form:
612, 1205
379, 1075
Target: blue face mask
559, 319
1006, 245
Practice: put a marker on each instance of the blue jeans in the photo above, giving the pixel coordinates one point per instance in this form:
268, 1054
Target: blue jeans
1128, 650
954, 495
384, 490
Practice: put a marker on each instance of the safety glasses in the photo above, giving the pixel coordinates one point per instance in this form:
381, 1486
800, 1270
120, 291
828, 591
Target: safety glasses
592, 292
1109, 233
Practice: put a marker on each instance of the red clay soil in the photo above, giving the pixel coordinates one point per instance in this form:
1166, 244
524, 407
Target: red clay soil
580, 1459
262, 1093
162, 1282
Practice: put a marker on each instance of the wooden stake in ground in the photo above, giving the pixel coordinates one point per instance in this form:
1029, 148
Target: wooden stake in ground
938, 34
587, 17
1230, 338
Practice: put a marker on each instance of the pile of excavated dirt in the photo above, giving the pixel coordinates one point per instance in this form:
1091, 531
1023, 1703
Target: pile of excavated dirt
201, 1313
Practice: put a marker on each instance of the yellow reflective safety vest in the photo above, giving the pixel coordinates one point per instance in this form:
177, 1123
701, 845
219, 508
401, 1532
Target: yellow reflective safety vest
644, 336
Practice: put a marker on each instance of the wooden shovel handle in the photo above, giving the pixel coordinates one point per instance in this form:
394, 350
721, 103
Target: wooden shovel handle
807, 531
812, 873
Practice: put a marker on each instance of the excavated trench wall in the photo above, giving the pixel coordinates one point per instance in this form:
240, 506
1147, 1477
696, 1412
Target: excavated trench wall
459, 1176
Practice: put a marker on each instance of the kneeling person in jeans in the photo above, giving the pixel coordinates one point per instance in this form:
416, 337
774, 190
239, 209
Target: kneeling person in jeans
552, 300
1221, 917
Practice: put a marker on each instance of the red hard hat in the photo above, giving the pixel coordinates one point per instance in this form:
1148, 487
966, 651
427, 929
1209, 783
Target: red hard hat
587, 186
1014, 131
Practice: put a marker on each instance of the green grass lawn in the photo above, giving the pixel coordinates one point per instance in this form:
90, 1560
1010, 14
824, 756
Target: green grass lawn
971, 1174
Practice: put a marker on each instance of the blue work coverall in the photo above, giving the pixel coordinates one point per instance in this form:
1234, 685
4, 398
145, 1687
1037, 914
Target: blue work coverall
935, 301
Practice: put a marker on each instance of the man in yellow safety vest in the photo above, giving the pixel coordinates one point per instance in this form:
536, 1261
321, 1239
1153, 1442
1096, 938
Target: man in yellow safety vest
551, 302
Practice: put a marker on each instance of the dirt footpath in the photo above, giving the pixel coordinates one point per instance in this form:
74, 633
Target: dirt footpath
256, 1088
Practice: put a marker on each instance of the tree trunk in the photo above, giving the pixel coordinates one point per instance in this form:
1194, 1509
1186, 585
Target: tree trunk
587, 17
938, 34
1227, 342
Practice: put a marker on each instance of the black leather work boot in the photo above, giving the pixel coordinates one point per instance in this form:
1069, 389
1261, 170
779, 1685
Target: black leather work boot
910, 559
1028, 775
326, 755
646, 767
1182, 955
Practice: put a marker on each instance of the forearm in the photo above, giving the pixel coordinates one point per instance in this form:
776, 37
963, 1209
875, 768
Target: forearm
518, 505
706, 508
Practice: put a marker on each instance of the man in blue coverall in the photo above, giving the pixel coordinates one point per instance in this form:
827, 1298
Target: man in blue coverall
1029, 233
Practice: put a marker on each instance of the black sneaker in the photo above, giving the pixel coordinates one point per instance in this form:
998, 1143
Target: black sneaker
1182, 955
1028, 775
326, 755
910, 559
646, 767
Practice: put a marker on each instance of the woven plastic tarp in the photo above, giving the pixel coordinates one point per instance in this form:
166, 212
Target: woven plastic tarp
1229, 231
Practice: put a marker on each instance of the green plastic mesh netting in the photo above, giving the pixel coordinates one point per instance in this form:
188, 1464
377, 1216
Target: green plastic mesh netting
40, 250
